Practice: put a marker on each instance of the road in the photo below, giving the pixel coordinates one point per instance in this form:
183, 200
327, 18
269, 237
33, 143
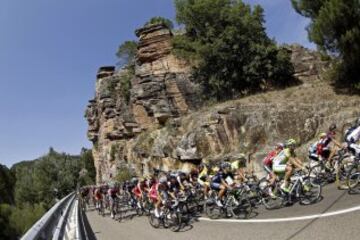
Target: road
332, 223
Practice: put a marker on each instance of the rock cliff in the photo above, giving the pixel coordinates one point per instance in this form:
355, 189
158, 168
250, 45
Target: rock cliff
159, 122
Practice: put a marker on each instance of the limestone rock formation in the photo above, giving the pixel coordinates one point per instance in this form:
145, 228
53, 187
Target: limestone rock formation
159, 122
161, 89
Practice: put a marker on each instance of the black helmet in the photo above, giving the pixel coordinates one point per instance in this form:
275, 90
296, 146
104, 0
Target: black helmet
332, 127
358, 122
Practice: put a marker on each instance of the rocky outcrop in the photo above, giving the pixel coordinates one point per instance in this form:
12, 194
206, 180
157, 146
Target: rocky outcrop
158, 122
160, 90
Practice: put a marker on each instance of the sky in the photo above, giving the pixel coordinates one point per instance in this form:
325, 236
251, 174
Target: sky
50, 51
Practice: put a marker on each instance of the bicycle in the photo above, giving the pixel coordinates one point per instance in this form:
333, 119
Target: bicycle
343, 164
303, 188
236, 204
353, 177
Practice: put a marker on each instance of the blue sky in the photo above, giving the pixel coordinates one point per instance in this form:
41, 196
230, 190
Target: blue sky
49, 54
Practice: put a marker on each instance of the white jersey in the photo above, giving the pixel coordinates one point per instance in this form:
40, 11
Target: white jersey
354, 136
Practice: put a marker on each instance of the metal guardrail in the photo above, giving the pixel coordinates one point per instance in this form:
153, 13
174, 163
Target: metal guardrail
65, 220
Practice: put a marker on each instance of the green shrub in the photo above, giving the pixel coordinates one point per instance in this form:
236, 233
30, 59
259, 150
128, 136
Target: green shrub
124, 174
156, 20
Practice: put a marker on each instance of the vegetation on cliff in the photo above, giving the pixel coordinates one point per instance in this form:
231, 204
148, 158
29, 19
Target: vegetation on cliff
232, 51
160, 20
30, 188
127, 52
335, 28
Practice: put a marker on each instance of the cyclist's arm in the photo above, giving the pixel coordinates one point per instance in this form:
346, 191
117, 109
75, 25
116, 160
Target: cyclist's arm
338, 144
172, 195
223, 182
296, 162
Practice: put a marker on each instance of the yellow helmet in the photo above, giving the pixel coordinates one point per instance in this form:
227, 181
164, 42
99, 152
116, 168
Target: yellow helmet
291, 142
322, 135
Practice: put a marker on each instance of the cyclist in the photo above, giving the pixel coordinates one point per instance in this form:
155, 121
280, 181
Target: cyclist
324, 147
222, 181
98, 197
162, 195
112, 192
283, 163
174, 185
237, 166
184, 180
203, 178
153, 189
353, 137
140, 191
268, 164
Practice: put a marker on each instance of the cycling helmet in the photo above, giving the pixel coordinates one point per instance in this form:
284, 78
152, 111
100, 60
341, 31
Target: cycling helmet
241, 156
134, 180
225, 165
173, 175
358, 122
162, 179
280, 145
332, 127
322, 135
291, 142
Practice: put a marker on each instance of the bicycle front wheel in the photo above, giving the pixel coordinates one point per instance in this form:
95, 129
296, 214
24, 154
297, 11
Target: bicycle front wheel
353, 179
342, 173
311, 192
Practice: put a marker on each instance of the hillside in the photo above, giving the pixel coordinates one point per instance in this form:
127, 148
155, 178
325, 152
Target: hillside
164, 124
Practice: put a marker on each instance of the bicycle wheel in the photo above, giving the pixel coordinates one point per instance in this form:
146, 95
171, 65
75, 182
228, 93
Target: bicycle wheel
353, 179
318, 175
310, 192
241, 208
154, 221
342, 173
212, 211
176, 222
274, 200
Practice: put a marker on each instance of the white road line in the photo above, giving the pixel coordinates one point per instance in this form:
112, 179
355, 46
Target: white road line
289, 219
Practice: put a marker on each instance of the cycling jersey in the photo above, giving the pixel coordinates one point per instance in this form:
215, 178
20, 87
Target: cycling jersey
153, 192
174, 187
112, 192
354, 136
220, 176
352, 139
98, 195
139, 188
268, 160
280, 161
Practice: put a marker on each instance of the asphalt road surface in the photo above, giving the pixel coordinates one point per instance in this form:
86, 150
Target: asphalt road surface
337, 216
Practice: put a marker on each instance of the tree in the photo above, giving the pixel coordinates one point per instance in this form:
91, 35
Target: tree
127, 53
7, 231
88, 167
6, 185
226, 40
157, 20
335, 28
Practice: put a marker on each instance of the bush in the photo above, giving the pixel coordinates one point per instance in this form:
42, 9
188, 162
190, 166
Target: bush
22, 219
7, 231
157, 20
124, 174
125, 84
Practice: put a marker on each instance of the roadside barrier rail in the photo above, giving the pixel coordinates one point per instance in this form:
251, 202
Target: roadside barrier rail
65, 220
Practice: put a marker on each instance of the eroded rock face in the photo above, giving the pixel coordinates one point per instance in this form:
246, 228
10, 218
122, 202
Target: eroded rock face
160, 90
159, 123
